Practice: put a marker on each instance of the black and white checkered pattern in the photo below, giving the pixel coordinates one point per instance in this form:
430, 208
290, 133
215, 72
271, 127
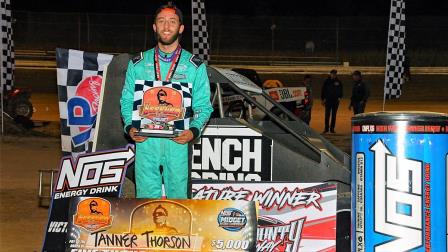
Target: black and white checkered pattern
141, 86
7, 47
201, 46
73, 66
395, 50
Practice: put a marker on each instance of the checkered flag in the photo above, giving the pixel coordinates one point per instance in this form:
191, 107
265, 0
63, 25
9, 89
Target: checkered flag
79, 77
7, 47
395, 50
200, 35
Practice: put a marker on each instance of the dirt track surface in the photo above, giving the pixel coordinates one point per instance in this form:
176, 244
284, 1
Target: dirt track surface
22, 221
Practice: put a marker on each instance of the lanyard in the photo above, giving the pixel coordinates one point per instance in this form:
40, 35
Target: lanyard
172, 68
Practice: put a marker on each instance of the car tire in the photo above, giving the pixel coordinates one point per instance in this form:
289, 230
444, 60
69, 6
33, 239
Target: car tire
22, 108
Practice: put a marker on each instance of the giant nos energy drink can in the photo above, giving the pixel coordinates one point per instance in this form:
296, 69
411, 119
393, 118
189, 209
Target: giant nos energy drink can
399, 182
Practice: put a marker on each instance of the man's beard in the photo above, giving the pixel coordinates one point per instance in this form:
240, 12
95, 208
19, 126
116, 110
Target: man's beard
170, 40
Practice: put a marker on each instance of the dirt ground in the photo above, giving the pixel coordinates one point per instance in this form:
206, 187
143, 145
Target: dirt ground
22, 221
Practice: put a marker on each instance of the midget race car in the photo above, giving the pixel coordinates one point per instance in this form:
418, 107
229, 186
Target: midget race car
296, 99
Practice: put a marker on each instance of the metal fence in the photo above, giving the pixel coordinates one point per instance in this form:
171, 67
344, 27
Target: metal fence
359, 40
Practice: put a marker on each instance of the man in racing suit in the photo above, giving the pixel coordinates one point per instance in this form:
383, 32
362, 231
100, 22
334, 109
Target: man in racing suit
166, 62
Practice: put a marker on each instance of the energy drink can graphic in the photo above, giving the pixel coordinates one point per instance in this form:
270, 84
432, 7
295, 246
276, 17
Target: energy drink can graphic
399, 181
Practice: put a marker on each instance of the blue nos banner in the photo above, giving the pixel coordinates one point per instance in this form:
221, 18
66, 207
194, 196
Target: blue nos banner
399, 185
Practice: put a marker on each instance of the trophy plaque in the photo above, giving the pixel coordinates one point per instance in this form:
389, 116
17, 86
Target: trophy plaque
159, 107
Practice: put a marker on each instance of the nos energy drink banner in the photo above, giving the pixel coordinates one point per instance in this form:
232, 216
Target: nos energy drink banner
93, 174
399, 183
292, 216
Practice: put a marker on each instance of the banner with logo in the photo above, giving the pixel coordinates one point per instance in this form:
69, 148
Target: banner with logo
94, 174
232, 152
292, 216
114, 224
287, 94
79, 77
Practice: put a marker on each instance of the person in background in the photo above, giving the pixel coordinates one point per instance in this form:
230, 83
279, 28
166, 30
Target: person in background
304, 107
331, 95
360, 94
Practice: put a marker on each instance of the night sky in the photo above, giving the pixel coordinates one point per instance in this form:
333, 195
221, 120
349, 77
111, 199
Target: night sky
241, 7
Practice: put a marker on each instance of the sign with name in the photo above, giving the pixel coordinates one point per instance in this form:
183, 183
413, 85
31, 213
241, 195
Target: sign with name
114, 224
292, 216
236, 153
93, 174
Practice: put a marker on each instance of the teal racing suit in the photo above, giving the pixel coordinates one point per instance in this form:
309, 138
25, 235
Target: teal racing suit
156, 152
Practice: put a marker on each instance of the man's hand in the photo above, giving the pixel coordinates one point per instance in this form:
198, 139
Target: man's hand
137, 139
184, 137
323, 102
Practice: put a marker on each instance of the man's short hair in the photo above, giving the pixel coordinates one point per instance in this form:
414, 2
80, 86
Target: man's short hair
334, 71
171, 6
307, 76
